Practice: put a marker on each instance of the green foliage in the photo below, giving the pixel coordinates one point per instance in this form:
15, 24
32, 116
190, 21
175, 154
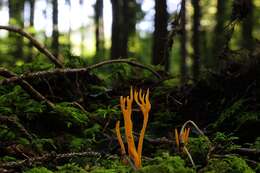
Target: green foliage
77, 144
235, 116
70, 168
38, 170
8, 159
257, 143
119, 169
6, 133
16, 101
38, 64
229, 113
91, 132
71, 114
199, 148
72, 61
109, 166
166, 164
224, 143
230, 164
43, 144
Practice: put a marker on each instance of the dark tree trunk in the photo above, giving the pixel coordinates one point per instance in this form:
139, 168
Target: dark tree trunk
247, 28
55, 30
196, 39
218, 39
183, 40
125, 29
99, 33
123, 25
32, 7
160, 55
116, 29
16, 18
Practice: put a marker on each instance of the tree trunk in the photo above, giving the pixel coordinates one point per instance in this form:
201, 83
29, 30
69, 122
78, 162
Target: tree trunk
125, 29
183, 40
116, 29
247, 28
196, 40
160, 55
99, 33
55, 30
31, 25
218, 39
16, 18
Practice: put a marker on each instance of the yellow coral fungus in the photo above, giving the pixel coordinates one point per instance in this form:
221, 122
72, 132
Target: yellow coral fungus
119, 138
182, 138
126, 107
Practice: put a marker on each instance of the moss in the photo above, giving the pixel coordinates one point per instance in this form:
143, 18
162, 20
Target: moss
38, 170
70, 168
112, 170
230, 164
172, 164
198, 148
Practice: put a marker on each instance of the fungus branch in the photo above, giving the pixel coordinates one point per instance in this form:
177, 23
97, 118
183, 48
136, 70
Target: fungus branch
126, 107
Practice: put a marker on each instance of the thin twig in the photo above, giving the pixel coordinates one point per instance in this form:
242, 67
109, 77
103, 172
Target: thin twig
189, 155
182, 140
35, 43
27, 87
40, 74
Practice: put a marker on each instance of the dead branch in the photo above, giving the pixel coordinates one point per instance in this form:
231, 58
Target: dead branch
247, 152
35, 43
40, 74
47, 157
27, 87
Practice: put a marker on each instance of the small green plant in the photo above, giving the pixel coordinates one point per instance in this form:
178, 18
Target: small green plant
166, 164
231, 164
38, 170
70, 168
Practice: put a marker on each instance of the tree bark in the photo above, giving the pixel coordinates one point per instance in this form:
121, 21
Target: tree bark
160, 53
125, 29
116, 29
183, 40
16, 9
55, 30
196, 40
218, 39
99, 33
247, 28
31, 25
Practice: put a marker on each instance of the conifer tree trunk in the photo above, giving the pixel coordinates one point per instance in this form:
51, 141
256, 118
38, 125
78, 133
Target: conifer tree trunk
183, 41
55, 30
247, 28
160, 55
125, 29
16, 9
196, 39
218, 37
31, 25
116, 29
99, 33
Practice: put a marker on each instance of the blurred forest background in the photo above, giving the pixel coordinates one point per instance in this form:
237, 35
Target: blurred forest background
199, 59
110, 29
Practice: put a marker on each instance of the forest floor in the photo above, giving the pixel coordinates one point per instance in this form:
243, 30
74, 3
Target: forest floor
64, 120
